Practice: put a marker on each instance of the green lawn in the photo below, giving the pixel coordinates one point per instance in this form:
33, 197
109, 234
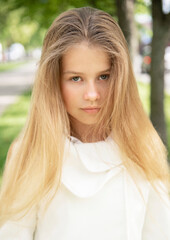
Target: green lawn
11, 122
10, 65
13, 119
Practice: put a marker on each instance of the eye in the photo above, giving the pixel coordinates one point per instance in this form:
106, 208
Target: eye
104, 77
76, 79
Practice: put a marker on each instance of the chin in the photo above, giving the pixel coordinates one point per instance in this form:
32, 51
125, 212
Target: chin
88, 122
84, 121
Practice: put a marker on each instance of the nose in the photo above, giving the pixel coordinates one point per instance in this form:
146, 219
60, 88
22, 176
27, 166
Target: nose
91, 92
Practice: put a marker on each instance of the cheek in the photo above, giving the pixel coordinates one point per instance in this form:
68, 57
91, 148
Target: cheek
69, 95
104, 91
66, 95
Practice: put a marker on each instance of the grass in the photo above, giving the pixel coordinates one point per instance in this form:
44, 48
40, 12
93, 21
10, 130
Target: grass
13, 119
144, 92
10, 65
11, 123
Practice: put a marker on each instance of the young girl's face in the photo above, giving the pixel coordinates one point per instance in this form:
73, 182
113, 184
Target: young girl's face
84, 82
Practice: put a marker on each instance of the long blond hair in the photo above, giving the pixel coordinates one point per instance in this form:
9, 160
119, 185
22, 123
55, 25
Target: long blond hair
34, 162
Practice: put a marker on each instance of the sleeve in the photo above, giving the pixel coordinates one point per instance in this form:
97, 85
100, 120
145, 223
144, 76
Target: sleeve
157, 218
22, 229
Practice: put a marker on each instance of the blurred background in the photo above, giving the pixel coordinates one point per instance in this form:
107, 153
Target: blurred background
23, 24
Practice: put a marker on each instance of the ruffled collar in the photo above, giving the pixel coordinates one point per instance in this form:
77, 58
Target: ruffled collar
88, 166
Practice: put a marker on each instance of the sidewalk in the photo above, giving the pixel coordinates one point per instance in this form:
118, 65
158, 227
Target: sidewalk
14, 82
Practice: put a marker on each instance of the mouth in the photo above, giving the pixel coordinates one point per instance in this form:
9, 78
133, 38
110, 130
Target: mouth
91, 109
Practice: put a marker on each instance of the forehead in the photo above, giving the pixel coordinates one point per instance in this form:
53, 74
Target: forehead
82, 57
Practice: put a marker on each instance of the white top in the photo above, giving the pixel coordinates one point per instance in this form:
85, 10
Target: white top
97, 200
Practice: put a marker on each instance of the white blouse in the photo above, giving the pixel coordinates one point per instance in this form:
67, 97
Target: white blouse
97, 200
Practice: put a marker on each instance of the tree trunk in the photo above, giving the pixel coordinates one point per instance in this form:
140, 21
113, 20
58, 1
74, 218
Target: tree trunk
125, 12
161, 31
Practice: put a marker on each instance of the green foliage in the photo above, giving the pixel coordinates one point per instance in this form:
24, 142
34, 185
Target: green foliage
142, 7
16, 30
45, 11
25, 21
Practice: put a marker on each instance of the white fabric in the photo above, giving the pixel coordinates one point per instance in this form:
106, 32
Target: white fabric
97, 200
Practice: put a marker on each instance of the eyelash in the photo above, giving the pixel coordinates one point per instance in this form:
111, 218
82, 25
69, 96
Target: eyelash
107, 77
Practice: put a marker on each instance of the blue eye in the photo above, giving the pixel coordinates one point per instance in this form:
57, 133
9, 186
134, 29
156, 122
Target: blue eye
76, 79
104, 77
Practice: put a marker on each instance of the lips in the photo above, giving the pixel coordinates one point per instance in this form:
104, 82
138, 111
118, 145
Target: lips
91, 109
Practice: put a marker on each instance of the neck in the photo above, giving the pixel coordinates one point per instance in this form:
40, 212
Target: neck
87, 138
85, 133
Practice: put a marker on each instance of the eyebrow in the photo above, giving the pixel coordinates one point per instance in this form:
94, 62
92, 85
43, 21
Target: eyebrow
74, 72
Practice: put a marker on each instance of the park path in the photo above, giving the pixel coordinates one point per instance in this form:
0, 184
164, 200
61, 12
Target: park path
14, 82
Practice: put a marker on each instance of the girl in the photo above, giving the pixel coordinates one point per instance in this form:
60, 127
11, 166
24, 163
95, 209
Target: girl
88, 164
